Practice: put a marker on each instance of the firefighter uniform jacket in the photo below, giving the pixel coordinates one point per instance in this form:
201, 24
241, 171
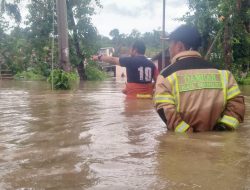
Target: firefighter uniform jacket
191, 92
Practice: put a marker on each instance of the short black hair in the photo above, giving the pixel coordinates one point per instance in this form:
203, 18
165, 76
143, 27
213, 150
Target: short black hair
188, 35
139, 46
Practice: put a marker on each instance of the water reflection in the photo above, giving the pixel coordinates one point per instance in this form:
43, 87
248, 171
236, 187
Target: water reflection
204, 161
94, 138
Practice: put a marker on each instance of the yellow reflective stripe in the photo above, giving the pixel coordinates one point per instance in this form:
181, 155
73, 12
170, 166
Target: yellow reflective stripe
143, 96
230, 121
232, 92
181, 127
224, 81
177, 93
172, 81
164, 98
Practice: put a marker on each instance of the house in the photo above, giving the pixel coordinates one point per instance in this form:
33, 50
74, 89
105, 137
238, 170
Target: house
118, 71
108, 51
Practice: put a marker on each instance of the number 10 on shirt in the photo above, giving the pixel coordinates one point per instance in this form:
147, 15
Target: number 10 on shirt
147, 72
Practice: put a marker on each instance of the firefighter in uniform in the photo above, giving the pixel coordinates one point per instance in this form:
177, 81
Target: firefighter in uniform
193, 95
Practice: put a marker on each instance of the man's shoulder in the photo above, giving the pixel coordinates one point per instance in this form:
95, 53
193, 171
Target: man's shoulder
136, 60
188, 63
125, 60
132, 58
145, 60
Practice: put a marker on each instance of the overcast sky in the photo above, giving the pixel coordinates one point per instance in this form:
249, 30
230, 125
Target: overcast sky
143, 15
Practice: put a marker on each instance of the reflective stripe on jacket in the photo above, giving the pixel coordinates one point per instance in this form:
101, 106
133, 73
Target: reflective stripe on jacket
194, 93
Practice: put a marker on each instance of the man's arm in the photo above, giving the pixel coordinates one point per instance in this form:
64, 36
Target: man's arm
235, 107
107, 59
156, 73
165, 104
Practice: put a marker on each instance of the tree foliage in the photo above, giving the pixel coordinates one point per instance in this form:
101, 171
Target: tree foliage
11, 9
31, 46
82, 33
230, 21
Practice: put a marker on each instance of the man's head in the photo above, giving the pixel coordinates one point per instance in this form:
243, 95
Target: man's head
184, 38
138, 48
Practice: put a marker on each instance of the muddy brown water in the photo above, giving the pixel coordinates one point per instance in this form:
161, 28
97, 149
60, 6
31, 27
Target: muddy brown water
93, 138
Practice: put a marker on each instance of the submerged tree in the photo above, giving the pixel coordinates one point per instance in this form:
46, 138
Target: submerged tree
62, 29
83, 35
34, 40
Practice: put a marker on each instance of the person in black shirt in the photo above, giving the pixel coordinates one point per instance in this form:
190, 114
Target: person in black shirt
141, 72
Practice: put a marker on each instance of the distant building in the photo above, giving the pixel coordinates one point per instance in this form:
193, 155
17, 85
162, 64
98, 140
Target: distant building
109, 51
121, 72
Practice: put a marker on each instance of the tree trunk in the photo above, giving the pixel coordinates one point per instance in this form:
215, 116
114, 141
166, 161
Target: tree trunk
227, 46
80, 66
62, 26
238, 5
247, 22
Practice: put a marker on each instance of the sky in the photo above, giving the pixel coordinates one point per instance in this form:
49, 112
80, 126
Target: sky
142, 15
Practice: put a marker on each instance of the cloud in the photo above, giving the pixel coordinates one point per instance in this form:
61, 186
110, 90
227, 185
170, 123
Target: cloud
143, 15
137, 8
144, 9
176, 4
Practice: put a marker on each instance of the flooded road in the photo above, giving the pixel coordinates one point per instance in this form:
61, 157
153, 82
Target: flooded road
93, 138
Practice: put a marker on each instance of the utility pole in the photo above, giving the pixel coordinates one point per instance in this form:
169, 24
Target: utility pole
62, 28
163, 35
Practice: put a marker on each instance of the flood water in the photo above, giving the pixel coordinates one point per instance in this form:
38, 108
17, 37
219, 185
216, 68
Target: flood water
93, 138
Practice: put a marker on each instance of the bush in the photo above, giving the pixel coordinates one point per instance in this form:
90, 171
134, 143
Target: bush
63, 80
93, 73
245, 81
29, 75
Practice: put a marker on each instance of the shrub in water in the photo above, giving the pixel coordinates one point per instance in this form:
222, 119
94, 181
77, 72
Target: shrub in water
29, 75
93, 73
62, 79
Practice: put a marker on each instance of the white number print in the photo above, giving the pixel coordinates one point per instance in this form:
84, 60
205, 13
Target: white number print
147, 72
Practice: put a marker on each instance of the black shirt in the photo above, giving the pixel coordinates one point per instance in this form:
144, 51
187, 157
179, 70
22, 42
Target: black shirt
139, 69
